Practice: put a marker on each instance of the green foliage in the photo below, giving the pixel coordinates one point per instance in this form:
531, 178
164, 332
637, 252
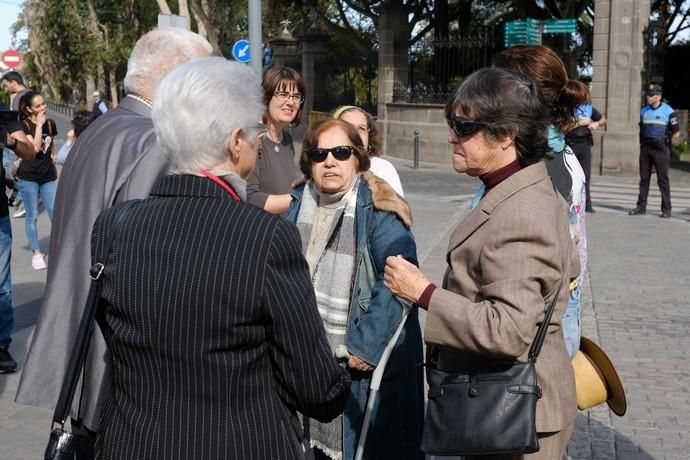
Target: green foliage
64, 48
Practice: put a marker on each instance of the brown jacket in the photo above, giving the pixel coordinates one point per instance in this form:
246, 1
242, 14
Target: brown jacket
506, 261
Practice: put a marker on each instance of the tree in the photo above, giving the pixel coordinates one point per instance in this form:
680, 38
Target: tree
81, 44
673, 16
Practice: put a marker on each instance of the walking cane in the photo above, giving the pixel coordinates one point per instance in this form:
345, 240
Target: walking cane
376, 378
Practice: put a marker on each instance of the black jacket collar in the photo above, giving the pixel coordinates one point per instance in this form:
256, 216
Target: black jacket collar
188, 185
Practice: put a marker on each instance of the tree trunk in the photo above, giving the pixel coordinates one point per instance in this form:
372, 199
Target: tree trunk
200, 28
90, 88
113, 88
183, 10
163, 6
203, 19
95, 30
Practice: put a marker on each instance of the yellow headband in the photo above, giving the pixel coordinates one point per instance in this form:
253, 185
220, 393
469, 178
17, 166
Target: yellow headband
344, 108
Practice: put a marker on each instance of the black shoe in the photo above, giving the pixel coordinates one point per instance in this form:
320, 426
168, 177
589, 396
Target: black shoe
637, 211
7, 363
590, 210
665, 214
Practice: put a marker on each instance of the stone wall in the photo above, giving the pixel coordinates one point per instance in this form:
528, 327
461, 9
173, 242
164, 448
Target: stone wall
399, 127
617, 83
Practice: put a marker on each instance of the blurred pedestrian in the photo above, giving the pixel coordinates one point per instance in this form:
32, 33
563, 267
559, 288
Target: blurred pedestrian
115, 160
509, 255
80, 121
37, 177
13, 83
99, 106
276, 170
221, 347
580, 141
366, 128
659, 128
350, 221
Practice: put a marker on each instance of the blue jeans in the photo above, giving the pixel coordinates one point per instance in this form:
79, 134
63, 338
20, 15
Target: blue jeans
572, 322
30, 192
6, 311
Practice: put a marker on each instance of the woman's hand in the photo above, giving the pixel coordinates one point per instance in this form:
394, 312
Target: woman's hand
404, 279
354, 362
40, 119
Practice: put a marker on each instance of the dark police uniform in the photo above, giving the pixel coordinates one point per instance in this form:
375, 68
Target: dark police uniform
656, 127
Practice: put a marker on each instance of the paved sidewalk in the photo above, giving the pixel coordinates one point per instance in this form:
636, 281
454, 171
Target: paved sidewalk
637, 306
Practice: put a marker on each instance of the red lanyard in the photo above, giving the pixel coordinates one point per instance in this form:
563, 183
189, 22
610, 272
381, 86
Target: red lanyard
220, 182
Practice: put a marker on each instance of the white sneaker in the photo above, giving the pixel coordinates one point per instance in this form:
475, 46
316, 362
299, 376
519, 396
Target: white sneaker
21, 212
37, 261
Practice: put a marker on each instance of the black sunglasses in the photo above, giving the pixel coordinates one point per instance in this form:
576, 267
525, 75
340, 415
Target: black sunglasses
340, 153
465, 126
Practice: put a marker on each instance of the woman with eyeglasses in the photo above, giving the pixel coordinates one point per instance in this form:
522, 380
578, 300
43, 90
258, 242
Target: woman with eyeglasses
510, 256
270, 184
350, 221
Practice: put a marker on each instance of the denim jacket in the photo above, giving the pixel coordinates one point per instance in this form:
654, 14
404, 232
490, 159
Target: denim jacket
382, 229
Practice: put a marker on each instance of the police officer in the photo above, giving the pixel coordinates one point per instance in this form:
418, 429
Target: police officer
658, 128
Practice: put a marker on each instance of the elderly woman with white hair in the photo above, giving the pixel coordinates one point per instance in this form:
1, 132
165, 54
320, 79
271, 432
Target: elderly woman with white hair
207, 305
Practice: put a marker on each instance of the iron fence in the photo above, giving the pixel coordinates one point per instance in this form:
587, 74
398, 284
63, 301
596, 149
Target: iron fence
61, 108
436, 67
654, 52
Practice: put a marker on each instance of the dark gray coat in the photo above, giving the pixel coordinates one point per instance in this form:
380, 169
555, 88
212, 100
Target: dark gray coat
115, 159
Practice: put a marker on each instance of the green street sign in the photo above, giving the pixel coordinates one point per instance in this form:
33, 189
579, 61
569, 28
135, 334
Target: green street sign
560, 26
518, 32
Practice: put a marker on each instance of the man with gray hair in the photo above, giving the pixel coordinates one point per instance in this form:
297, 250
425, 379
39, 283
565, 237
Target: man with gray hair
116, 159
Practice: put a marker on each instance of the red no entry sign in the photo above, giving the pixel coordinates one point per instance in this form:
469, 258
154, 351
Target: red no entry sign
11, 58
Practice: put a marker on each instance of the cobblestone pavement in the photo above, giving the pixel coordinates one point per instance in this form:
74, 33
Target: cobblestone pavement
636, 306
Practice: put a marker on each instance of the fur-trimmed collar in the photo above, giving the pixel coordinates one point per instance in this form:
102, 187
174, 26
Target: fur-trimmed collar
383, 197
386, 199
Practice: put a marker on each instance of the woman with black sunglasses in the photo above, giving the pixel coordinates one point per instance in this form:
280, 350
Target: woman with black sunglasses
507, 260
270, 184
350, 221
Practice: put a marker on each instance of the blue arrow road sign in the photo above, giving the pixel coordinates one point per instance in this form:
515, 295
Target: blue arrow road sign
240, 51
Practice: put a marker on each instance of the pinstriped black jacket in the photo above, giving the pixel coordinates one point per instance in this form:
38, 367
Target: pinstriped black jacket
210, 317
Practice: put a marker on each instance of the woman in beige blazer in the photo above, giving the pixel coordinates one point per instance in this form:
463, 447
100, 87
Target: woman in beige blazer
509, 256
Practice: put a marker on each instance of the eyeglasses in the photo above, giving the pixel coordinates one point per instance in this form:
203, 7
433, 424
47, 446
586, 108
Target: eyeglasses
652, 93
340, 153
463, 126
284, 96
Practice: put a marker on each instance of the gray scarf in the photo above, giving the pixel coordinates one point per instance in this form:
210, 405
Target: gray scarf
332, 279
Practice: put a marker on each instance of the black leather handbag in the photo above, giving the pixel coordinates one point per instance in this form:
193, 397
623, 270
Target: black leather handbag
485, 411
63, 445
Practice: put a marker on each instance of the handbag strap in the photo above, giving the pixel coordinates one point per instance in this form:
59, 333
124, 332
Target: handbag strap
86, 325
535, 349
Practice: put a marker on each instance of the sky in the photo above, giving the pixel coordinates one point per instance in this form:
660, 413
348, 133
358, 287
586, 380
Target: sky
9, 10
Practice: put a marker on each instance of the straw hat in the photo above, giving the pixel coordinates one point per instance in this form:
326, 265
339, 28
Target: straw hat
596, 380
